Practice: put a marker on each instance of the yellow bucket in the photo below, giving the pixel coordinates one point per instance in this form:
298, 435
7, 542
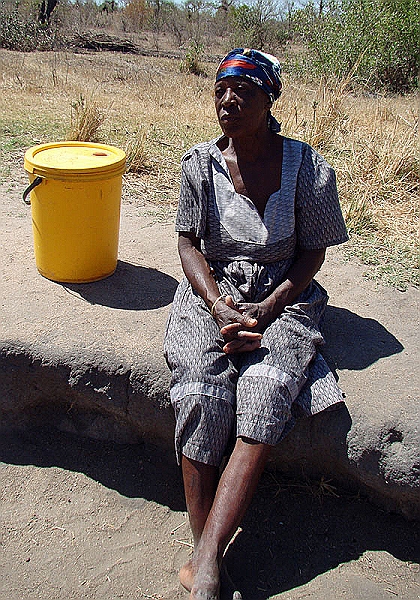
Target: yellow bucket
75, 197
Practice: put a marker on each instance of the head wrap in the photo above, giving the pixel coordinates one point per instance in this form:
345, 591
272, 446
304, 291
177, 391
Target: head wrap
262, 69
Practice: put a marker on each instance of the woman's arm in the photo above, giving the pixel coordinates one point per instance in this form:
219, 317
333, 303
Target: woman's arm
298, 277
196, 268
198, 273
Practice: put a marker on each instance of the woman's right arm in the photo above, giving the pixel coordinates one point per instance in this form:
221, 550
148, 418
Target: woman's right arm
198, 273
196, 268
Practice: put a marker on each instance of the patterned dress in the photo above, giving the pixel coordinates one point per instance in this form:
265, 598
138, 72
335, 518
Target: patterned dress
258, 394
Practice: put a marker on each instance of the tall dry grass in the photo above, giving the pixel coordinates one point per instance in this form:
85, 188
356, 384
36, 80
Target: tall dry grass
136, 152
86, 119
372, 142
155, 111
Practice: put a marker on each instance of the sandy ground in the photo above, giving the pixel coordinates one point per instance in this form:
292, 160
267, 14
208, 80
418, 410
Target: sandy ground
88, 519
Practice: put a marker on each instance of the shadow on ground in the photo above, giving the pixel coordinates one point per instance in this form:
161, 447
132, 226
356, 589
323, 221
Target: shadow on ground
130, 469
131, 287
354, 342
293, 532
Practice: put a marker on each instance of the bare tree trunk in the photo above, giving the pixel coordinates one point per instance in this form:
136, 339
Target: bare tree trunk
45, 10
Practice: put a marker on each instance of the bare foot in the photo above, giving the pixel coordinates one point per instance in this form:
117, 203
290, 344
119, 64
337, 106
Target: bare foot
206, 584
186, 575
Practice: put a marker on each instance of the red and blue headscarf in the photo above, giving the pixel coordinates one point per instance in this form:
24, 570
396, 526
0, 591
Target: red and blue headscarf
261, 68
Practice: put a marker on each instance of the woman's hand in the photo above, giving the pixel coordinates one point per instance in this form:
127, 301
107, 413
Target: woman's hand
242, 325
198, 272
256, 316
237, 328
298, 277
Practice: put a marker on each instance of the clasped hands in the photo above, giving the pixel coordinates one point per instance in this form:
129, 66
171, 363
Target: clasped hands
241, 324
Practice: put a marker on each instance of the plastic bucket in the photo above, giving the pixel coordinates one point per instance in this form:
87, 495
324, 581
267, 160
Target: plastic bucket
75, 197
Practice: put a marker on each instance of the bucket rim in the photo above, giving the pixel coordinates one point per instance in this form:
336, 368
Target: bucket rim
112, 168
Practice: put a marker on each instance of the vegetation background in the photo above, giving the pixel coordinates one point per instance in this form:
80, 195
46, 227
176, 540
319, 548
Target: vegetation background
138, 74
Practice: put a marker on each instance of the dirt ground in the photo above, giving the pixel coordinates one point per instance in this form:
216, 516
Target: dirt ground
89, 519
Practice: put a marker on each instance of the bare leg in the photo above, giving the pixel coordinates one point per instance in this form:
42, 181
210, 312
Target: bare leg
200, 484
233, 496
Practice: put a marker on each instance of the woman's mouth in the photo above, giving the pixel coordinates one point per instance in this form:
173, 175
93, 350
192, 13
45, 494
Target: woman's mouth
228, 118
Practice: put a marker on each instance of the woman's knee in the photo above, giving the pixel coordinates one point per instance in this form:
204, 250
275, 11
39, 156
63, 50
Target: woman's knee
203, 428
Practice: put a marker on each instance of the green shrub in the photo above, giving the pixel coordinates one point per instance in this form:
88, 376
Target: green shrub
382, 35
192, 61
257, 26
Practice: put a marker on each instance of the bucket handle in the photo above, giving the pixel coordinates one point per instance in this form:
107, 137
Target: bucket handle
29, 189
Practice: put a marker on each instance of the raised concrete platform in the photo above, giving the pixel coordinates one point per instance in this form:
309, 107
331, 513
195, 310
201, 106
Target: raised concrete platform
88, 358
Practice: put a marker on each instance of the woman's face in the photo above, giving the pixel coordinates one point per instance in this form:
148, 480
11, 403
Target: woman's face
241, 106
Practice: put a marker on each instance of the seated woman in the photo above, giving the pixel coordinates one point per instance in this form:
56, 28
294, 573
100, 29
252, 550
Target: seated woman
257, 211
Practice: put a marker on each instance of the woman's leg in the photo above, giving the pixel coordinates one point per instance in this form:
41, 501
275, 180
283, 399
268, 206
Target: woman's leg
200, 484
203, 428
233, 496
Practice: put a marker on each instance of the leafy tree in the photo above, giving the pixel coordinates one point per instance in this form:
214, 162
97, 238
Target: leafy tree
381, 36
108, 6
258, 25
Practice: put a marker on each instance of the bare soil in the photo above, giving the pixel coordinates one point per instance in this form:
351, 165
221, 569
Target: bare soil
89, 519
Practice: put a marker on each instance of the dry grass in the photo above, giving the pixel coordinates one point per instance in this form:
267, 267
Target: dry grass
156, 112
372, 142
86, 119
317, 488
137, 155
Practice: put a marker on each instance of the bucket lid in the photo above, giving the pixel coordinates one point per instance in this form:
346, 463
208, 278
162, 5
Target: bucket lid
58, 159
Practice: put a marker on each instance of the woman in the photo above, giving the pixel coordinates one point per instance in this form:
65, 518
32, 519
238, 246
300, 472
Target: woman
256, 213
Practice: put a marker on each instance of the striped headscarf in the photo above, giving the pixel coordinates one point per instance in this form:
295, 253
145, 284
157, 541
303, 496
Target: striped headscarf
262, 69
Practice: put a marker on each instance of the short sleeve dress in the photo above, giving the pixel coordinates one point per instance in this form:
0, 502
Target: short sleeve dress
259, 394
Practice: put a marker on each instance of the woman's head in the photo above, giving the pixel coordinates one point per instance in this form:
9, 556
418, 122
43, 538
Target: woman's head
262, 69
247, 83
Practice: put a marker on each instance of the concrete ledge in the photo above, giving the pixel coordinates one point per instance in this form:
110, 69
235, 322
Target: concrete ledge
88, 359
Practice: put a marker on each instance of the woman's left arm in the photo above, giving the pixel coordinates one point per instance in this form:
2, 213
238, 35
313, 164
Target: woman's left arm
298, 277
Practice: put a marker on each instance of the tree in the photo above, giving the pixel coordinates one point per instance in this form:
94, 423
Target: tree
197, 17
136, 13
258, 25
45, 11
380, 35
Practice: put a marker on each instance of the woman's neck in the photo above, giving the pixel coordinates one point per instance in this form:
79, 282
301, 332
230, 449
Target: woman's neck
250, 149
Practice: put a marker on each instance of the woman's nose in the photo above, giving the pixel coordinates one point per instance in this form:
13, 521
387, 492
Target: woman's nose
228, 97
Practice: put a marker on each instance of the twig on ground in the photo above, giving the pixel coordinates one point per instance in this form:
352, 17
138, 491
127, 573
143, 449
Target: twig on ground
177, 527
185, 543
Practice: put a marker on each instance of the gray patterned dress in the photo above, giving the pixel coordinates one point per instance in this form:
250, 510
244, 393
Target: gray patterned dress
258, 394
